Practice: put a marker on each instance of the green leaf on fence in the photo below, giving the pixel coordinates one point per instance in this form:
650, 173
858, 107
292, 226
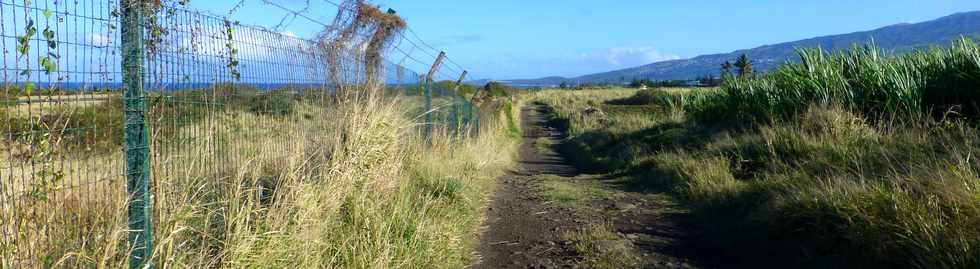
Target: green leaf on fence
47, 13
49, 65
49, 36
22, 45
28, 87
24, 41
30, 29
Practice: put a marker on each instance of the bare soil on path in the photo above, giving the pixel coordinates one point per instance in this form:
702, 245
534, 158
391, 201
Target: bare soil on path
525, 229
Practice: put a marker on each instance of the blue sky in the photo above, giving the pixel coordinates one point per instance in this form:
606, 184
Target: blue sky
504, 39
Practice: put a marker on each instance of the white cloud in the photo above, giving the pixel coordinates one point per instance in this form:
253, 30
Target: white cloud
252, 44
100, 39
456, 39
630, 56
570, 64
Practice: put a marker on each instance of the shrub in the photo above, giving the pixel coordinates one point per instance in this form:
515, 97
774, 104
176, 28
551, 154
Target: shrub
275, 103
642, 97
69, 127
497, 89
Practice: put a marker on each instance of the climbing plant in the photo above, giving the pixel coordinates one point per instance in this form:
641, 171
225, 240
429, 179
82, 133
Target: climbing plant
23, 51
232, 51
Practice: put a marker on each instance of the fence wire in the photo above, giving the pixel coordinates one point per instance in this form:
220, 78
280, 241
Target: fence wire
217, 97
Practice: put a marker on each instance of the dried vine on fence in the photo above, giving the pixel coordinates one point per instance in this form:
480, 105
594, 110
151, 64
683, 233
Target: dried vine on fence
365, 30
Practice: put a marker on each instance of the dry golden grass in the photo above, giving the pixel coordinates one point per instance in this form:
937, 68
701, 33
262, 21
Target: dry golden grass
353, 186
37, 105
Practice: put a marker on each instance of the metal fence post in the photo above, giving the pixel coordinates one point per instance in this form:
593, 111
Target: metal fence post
457, 101
427, 87
136, 146
455, 111
428, 93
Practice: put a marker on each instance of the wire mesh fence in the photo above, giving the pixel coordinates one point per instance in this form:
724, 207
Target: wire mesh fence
114, 119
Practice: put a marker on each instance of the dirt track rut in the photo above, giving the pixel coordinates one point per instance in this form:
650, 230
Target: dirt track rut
523, 230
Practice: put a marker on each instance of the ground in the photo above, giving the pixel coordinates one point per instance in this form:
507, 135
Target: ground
548, 215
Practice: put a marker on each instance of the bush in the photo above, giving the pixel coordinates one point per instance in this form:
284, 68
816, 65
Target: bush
275, 103
92, 128
642, 97
497, 89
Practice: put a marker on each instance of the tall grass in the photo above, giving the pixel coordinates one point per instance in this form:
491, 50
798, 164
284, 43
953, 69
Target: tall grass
935, 81
365, 191
825, 186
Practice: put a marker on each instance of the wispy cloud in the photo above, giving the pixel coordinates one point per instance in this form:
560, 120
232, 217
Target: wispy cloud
456, 39
100, 39
574, 64
630, 56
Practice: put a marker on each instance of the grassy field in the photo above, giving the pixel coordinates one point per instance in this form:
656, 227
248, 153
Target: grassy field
348, 186
787, 171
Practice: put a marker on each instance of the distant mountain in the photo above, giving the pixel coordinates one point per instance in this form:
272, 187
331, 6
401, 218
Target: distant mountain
895, 38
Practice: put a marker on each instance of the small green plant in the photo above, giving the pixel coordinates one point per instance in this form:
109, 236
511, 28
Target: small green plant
232, 51
602, 248
23, 48
512, 124
49, 175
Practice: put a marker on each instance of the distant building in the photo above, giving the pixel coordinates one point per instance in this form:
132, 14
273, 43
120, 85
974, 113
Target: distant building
693, 83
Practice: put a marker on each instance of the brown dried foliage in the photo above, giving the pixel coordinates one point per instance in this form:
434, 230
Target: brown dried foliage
358, 38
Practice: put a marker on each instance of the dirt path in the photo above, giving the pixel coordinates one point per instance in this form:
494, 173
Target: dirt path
525, 229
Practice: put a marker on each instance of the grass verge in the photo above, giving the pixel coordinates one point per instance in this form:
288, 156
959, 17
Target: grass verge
825, 188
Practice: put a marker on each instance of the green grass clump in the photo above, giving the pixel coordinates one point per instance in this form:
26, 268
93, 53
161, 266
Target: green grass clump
601, 248
575, 193
512, 115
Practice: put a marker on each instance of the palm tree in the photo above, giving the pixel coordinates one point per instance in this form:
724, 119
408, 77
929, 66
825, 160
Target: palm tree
726, 70
744, 66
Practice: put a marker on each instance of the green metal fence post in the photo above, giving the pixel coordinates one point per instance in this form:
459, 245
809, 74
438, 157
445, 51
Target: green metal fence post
455, 111
457, 101
428, 93
137, 137
427, 87
474, 118
469, 112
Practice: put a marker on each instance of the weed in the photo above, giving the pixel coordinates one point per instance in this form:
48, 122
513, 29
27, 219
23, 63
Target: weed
602, 248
